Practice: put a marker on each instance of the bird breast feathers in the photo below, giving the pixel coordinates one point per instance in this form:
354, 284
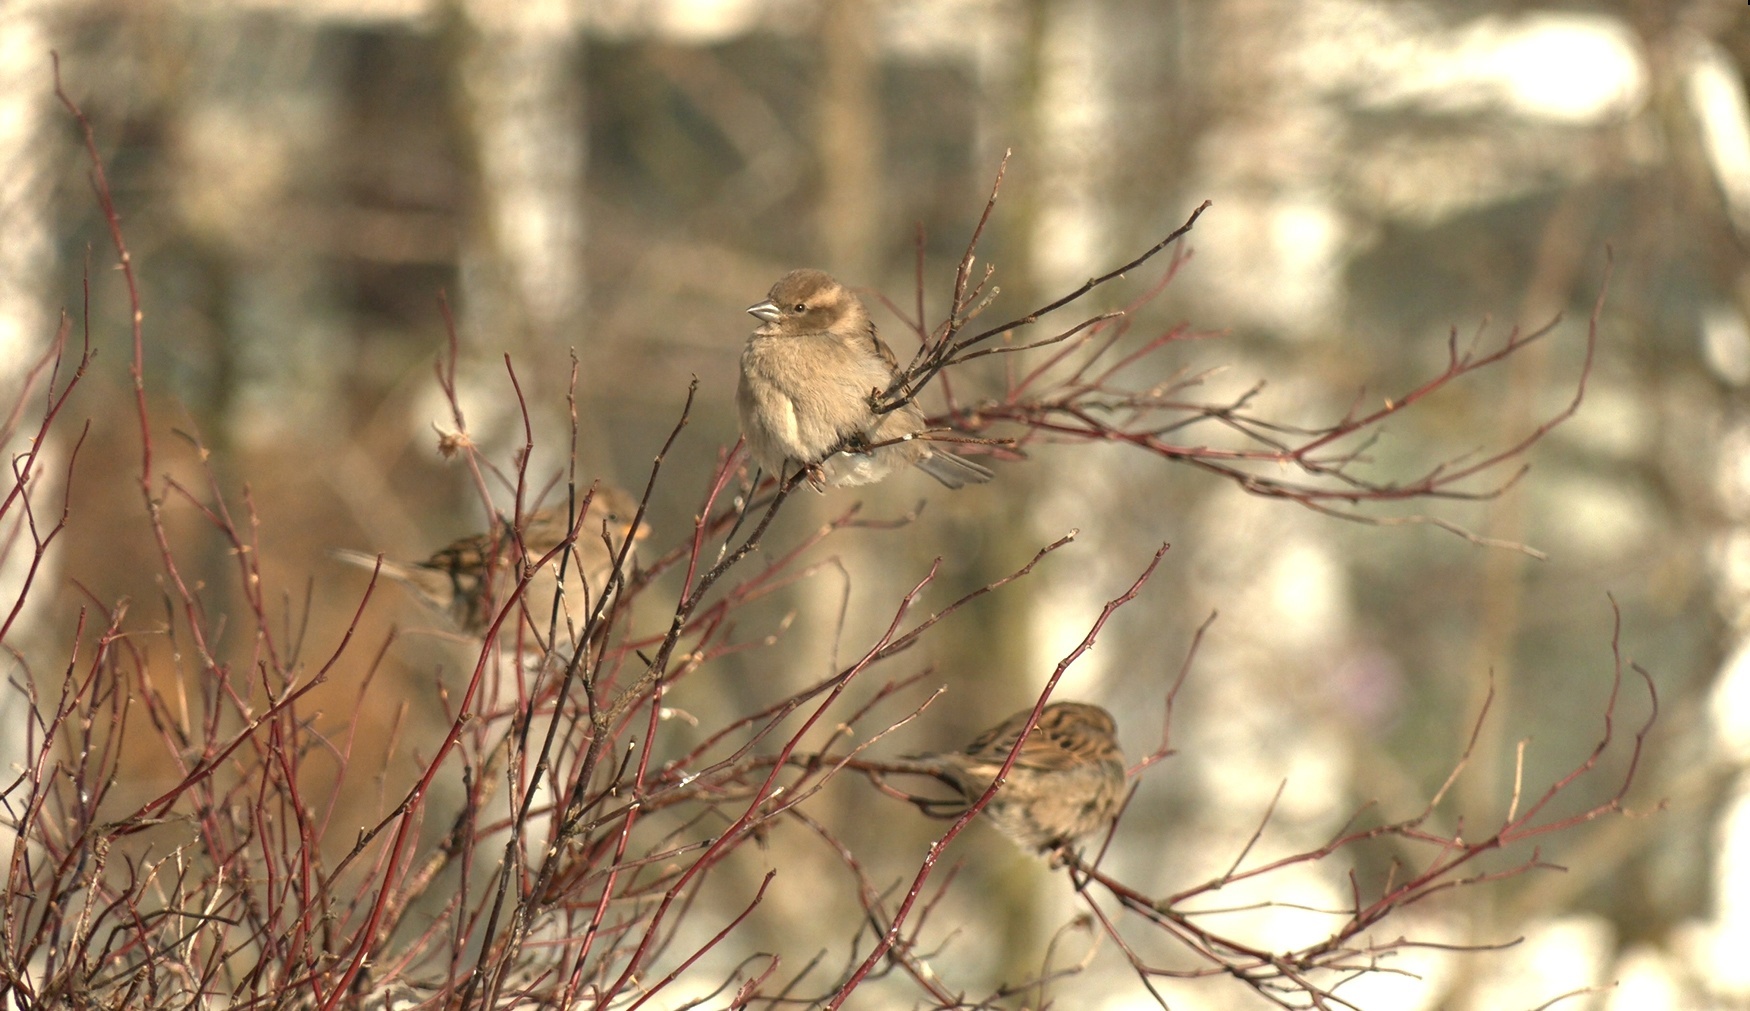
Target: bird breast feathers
817, 373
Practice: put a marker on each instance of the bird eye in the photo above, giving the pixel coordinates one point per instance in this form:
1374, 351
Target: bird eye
800, 307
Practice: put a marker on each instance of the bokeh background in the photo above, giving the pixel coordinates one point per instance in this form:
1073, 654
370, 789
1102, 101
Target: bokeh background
301, 180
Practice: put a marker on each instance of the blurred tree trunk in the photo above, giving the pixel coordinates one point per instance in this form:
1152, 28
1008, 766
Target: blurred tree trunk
27, 257
995, 666
247, 136
520, 103
849, 136
26, 201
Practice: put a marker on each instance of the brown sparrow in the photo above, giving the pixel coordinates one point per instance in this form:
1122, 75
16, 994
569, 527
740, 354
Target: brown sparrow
810, 376
454, 579
1067, 782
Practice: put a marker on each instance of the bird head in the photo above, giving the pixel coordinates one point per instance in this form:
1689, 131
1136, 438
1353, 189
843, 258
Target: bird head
806, 301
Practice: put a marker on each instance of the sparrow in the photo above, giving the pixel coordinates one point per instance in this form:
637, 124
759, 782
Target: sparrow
1067, 781
811, 374
454, 580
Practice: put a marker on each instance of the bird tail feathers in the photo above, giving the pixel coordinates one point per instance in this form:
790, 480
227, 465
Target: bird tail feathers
953, 470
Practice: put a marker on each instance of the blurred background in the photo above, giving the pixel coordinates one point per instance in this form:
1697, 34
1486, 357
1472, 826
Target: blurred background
300, 181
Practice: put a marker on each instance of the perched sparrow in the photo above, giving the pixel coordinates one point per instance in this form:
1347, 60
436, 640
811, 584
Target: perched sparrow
454, 579
1067, 781
810, 376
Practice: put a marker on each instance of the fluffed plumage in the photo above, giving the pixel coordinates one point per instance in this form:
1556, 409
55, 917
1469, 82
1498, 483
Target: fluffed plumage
1067, 781
810, 375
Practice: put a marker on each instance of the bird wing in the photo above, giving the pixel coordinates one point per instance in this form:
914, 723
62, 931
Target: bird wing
1056, 743
882, 349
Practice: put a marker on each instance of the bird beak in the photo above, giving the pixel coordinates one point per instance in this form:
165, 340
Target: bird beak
766, 311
